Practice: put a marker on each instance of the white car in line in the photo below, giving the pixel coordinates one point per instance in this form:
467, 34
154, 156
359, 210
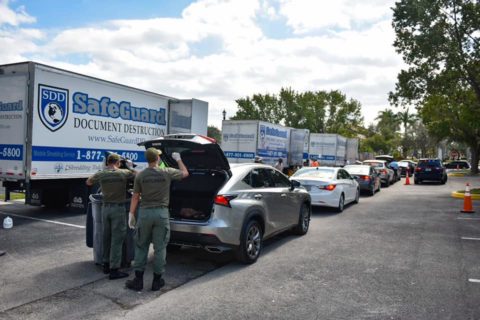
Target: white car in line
328, 186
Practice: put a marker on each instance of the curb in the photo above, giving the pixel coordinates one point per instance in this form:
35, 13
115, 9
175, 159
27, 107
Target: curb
460, 195
456, 174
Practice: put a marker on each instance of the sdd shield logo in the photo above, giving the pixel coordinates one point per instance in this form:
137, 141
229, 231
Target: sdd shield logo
52, 106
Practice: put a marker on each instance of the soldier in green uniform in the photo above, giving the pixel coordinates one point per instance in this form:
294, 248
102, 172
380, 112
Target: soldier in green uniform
113, 182
153, 185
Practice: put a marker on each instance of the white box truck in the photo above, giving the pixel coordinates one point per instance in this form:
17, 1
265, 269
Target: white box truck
352, 150
56, 125
243, 140
298, 152
327, 148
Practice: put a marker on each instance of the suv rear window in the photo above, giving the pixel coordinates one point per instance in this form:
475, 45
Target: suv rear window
429, 163
460, 164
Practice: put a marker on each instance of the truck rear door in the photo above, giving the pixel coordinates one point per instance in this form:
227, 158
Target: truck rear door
13, 124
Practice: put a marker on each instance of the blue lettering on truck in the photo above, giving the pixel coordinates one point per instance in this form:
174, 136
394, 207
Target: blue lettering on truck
105, 107
46, 153
11, 152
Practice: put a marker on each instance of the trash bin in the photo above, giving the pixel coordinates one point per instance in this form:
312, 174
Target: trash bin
128, 251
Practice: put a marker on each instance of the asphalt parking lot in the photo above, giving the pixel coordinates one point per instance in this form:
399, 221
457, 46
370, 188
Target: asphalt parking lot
406, 253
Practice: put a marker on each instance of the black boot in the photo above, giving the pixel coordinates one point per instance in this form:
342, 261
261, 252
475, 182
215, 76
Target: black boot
157, 282
136, 283
115, 274
106, 268
2, 253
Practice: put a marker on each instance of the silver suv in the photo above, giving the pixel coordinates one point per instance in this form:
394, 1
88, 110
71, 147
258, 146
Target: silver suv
219, 207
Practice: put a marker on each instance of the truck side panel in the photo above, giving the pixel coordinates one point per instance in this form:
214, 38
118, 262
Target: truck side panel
76, 119
13, 119
273, 143
239, 140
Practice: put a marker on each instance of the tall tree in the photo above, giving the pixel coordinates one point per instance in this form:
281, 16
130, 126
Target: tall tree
407, 119
321, 111
440, 42
388, 123
215, 133
454, 118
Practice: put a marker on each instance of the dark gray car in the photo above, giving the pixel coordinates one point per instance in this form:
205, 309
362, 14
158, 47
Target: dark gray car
220, 207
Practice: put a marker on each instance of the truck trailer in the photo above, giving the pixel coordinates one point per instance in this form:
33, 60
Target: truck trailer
57, 125
243, 140
328, 148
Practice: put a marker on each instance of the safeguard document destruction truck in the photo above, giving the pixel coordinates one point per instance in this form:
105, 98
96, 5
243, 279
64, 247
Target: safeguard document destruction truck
242, 140
56, 125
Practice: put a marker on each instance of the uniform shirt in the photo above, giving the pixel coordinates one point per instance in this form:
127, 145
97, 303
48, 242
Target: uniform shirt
113, 183
154, 186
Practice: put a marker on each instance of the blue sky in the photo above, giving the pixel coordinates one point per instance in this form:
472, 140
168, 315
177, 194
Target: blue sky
214, 50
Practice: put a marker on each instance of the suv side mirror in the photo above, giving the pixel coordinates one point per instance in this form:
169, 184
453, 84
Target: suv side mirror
294, 184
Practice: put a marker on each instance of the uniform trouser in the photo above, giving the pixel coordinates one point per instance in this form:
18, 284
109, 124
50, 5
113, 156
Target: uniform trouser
114, 232
153, 226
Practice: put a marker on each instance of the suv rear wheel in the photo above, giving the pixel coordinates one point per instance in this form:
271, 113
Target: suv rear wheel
250, 242
303, 220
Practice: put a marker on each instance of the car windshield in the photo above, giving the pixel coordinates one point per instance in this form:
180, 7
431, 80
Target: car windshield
315, 173
429, 163
374, 164
357, 170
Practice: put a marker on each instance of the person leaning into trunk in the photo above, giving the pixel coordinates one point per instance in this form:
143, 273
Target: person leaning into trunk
153, 226
113, 182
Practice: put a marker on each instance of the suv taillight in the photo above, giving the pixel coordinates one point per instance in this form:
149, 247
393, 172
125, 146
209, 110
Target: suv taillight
224, 200
366, 178
418, 169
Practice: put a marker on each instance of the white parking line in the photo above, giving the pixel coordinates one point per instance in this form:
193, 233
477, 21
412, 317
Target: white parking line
467, 238
43, 220
461, 218
474, 280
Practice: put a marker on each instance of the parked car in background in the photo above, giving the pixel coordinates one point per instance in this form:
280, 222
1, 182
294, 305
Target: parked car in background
457, 165
392, 164
430, 169
367, 177
405, 165
221, 207
386, 174
328, 186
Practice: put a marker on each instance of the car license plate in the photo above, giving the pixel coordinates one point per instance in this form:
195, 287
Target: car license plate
428, 169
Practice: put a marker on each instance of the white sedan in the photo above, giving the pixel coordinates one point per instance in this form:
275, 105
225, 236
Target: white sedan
328, 186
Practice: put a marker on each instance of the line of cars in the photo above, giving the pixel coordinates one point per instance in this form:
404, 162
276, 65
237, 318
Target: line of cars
223, 206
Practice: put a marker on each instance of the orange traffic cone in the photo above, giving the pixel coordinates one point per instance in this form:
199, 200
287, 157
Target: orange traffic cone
467, 201
407, 181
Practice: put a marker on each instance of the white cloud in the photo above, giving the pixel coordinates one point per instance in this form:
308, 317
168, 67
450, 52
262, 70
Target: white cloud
11, 17
217, 51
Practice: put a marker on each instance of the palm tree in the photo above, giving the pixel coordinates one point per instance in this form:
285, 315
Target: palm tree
387, 121
407, 119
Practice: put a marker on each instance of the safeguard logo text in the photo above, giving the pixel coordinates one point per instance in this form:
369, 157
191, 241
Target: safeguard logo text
52, 106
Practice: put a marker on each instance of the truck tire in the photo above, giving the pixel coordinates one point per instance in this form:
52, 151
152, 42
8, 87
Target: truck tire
55, 199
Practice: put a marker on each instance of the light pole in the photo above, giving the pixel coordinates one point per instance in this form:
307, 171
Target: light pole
224, 114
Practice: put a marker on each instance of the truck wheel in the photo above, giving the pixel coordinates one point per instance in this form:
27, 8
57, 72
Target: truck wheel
55, 199
303, 220
250, 242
